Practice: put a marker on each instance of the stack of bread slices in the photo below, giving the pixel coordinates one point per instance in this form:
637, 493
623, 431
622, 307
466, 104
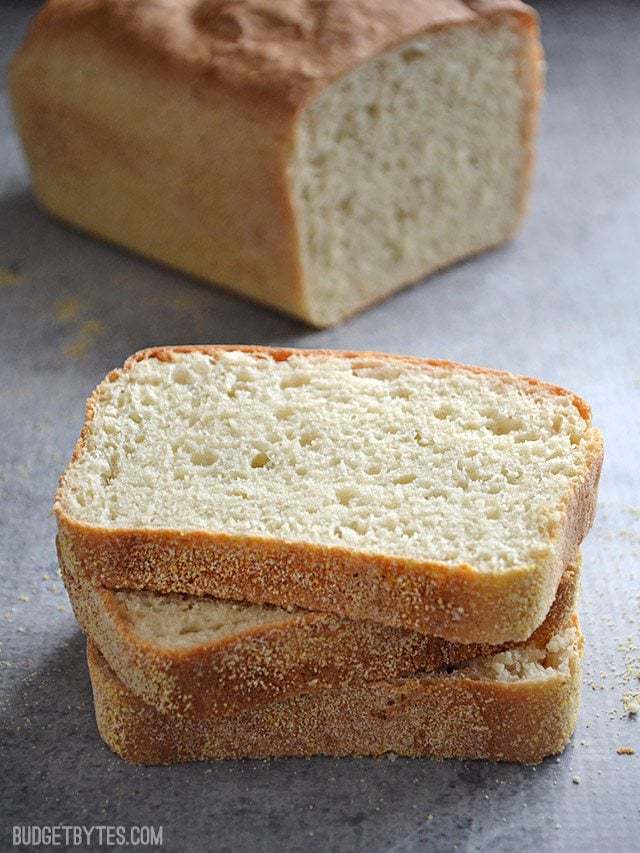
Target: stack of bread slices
294, 552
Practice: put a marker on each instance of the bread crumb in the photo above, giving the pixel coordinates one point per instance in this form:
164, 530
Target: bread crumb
625, 750
85, 339
67, 309
23, 597
576, 780
9, 275
429, 817
45, 577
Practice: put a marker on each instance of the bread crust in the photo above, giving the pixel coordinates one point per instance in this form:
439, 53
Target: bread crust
458, 603
303, 652
437, 715
286, 53
242, 74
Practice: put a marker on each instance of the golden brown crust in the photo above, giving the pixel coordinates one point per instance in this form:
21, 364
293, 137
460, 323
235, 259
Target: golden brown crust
435, 715
87, 121
303, 652
458, 603
285, 52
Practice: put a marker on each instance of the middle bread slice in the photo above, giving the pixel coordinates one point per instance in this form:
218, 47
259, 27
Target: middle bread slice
204, 658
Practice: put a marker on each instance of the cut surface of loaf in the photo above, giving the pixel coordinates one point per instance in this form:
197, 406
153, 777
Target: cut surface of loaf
202, 657
416, 493
417, 160
313, 156
519, 705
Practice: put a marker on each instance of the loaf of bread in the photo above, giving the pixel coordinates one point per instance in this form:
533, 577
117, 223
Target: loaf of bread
202, 657
519, 705
315, 156
419, 494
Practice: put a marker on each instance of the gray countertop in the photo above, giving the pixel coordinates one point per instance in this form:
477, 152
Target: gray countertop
562, 302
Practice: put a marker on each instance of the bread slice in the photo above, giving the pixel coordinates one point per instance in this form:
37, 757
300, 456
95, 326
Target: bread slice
518, 705
315, 156
420, 494
202, 657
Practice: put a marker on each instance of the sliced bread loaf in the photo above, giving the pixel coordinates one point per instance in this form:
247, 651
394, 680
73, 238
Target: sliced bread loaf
420, 494
202, 657
315, 156
518, 705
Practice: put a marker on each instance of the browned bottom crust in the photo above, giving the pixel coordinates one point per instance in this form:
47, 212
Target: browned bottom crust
440, 716
300, 653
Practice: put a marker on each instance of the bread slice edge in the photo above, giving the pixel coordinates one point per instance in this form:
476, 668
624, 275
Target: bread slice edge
301, 652
439, 716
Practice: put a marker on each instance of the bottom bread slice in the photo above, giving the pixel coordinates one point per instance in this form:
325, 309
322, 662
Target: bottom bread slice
518, 705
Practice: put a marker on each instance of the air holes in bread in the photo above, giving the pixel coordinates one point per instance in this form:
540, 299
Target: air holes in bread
260, 460
296, 380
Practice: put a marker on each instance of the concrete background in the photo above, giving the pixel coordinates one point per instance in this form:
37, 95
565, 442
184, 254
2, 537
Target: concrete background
562, 302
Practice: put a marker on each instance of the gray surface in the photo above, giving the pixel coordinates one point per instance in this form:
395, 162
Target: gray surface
563, 302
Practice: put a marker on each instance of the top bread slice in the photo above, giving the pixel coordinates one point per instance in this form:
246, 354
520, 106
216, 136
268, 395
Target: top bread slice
417, 493
315, 156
